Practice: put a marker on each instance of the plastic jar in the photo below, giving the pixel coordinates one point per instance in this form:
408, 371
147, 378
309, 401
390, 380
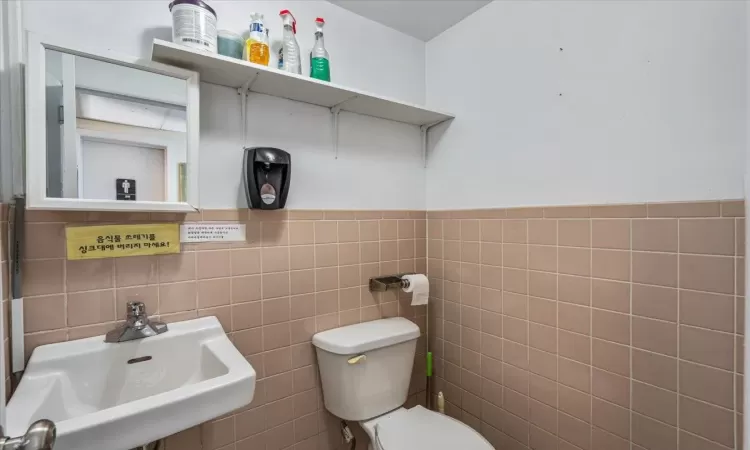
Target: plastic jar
230, 44
193, 24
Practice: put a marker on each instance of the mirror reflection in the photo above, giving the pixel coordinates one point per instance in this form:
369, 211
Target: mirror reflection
114, 132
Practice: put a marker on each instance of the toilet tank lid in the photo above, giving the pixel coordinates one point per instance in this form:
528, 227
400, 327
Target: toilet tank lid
362, 337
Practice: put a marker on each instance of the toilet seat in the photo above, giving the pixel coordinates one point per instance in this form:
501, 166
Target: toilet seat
409, 429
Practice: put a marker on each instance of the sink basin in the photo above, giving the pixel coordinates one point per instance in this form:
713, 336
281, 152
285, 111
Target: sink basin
119, 396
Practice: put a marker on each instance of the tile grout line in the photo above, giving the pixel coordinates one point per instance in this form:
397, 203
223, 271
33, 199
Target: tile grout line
231, 291
115, 288
461, 314
630, 349
734, 340
65, 296
501, 223
262, 296
591, 330
338, 273
442, 267
231, 318
288, 226
481, 328
359, 252
679, 327
528, 335
557, 328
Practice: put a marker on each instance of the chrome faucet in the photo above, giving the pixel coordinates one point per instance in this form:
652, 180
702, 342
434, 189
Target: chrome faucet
137, 326
40, 436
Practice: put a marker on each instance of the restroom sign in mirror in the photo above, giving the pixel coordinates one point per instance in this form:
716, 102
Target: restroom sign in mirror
125, 189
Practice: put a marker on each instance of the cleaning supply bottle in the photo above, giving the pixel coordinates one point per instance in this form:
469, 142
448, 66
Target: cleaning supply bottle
256, 45
320, 68
290, 50
267, 42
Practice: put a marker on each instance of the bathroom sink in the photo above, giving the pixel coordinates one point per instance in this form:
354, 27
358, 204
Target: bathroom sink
118, 396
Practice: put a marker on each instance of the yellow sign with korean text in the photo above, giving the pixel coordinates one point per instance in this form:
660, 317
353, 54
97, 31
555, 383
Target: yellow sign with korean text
114, 241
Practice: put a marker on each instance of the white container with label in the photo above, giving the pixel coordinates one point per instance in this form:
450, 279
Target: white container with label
193, 24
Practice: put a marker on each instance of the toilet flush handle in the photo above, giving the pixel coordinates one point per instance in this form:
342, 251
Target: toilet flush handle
357, 359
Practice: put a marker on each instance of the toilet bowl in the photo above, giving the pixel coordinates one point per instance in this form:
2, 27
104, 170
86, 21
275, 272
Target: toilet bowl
418, 428
365, 371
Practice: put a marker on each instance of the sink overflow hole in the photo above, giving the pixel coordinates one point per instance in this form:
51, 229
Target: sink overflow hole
138, 360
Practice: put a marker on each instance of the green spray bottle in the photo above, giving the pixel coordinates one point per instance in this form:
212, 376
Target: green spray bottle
320, 68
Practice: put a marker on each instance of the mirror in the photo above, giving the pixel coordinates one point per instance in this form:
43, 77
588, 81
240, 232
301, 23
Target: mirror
117, 135
113, 132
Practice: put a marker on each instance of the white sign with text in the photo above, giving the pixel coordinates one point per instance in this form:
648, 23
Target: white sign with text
212, 232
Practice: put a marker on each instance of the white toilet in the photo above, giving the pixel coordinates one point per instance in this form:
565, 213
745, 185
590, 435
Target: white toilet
365, 370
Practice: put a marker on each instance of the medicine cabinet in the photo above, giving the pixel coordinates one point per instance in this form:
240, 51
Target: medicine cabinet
108, 132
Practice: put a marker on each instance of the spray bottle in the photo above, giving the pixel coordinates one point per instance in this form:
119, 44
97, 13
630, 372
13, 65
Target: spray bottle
290, 53
319, 61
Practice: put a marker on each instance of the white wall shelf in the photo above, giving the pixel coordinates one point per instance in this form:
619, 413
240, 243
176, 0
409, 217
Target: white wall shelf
234, 73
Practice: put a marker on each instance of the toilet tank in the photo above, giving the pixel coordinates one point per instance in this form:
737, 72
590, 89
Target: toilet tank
365, 368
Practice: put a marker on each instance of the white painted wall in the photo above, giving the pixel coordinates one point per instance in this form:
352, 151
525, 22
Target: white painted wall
380, 162
127, 112
423, 19
134, 141
364, 54
646, 102
379, 165
128, 82
104, 162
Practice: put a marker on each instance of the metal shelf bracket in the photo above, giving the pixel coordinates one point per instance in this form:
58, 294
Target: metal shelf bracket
243, 91
424, 131
335, 133
335, 110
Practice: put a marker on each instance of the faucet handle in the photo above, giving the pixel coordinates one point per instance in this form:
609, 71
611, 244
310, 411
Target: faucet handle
136, 309
40, 436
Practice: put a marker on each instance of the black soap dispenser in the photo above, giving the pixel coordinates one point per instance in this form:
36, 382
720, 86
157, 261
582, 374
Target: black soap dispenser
266, 173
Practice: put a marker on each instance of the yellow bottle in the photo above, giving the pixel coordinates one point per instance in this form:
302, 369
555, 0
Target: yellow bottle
257, 50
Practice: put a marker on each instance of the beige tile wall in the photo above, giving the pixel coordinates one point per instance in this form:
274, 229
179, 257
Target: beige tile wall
603, 327
591, 328
300, 272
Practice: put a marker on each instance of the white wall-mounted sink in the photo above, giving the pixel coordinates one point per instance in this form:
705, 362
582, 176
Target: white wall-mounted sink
100, 401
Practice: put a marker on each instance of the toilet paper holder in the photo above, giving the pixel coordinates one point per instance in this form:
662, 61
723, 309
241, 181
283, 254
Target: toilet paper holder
386, 282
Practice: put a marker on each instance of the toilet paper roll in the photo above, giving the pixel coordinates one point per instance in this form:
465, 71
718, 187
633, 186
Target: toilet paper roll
419, 286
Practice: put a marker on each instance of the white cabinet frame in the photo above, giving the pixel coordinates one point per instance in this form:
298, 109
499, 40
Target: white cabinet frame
36, 153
